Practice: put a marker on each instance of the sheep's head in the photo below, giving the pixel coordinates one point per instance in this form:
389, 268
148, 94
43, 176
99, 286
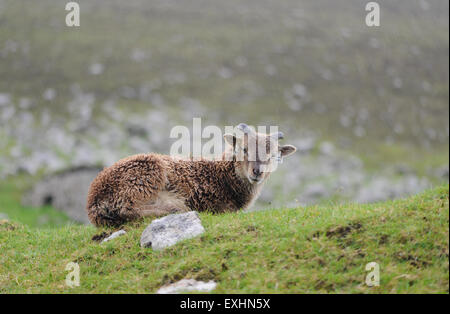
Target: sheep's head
258, 153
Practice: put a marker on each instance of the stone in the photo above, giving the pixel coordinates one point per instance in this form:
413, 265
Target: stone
66, 191
326, 148
171, 229
114, 235
187, 285
4, 216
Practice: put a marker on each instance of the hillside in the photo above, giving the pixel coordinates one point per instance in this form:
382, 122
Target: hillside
299, 250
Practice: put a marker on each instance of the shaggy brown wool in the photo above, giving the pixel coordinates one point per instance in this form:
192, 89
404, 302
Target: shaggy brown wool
133, 188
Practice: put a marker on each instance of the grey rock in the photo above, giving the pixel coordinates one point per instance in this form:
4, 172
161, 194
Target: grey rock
66, 191
326, 148
305, 145
442, 173
114, 235
169, 230
384, 188
403, 169
315, 191
5, 99
187, 285
4, 216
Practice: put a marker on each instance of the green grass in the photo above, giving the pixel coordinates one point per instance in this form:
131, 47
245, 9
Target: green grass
301, 250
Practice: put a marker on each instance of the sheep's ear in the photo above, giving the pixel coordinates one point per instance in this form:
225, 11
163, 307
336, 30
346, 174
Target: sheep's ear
230, 138
287, 150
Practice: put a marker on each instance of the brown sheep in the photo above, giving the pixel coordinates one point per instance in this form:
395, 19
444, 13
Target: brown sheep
156, 185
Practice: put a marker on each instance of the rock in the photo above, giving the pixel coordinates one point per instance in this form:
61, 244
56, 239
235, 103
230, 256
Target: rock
114, 235
66, 191
4, 216
5, 99
316, 190
169, 230
326, 148
403, 170
442, 173
305, 145
384, 188
313, 193
187, 285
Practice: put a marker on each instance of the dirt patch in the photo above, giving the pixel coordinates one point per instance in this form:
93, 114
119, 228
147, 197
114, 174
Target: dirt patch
413, 260
444, 252
6, 225
224, 267
206, 274
342, 231
384, 239
323, 285
99, 237
319, 261
339, 231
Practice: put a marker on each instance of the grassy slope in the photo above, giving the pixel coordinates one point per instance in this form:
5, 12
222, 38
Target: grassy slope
312, 249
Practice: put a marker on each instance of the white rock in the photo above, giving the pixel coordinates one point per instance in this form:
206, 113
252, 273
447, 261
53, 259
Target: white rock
114, 235
171, 229
326, 148
96, 69
5, 99
187, 285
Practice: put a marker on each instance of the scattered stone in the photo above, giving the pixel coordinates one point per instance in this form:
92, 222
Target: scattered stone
315, 191
403, 169
187, 285
171, 229
5, 99
326, 148
381, 188
442, 173
100, 236
66, 191
114, 235
305, 145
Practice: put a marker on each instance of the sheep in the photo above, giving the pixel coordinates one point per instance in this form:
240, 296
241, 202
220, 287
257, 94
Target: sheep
156, 185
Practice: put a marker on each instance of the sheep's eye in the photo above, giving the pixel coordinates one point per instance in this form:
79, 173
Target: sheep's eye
245, 150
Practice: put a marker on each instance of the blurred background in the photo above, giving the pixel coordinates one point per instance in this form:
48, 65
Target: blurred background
367, 107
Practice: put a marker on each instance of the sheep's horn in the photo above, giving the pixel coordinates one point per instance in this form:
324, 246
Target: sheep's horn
244, 128
277, 135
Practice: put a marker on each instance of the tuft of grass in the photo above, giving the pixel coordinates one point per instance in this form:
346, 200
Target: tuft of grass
318, 249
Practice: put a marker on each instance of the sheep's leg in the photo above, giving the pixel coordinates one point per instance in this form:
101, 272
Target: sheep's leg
165, 203
158, 210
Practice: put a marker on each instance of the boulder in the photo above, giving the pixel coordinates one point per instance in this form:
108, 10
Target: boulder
66, 191
171, 229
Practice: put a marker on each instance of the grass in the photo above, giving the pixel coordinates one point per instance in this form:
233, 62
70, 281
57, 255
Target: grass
319, 249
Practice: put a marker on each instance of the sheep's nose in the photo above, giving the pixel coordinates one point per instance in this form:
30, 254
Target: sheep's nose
256, 172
